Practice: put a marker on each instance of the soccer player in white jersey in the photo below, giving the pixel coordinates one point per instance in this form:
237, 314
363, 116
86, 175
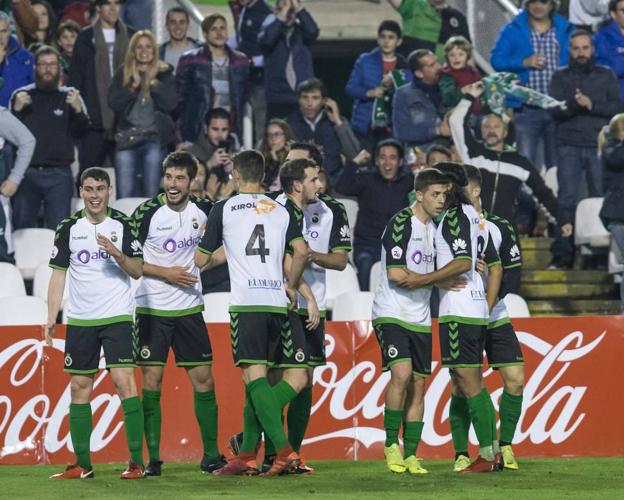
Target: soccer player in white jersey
501, 346
255, 232
460, 239
170, 303
99, 247
402, 317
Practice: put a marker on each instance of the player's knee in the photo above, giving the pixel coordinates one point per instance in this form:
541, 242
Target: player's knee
80, 389
401, 378
515, 385
201, 378
297, 378
152, 380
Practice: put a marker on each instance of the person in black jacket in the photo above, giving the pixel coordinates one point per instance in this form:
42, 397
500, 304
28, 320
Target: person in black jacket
380, 193
143, 96
55, 116
592, 96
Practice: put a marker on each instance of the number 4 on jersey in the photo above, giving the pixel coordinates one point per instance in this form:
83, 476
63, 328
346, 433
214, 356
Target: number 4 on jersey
261, 249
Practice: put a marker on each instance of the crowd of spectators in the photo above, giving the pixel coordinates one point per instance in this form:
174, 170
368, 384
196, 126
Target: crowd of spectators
88, 76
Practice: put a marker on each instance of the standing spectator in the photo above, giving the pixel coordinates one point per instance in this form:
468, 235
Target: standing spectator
55, 116
416, 121
275, 147
428, 24
372, 84
318, 120
457, 72
211, 76
22, 17
586, 14
137, 13
249, 15
16, 63
592, 96
533, 45
380, 194
46, 31
285, 38
66, 36
81, 12
143, 96
609, 42
177, 24
100, 49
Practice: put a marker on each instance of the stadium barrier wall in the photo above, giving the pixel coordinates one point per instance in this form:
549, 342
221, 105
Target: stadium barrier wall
571, 407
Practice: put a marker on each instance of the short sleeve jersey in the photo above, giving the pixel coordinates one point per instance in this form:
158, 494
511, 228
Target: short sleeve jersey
169, 239
462, 235
99, 290
255, 231
409, 244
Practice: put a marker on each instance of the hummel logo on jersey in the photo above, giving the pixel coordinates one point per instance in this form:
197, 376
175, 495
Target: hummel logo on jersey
514, 252
345, 232
54, 251
397, 252
459, 246
136, 246
168, 228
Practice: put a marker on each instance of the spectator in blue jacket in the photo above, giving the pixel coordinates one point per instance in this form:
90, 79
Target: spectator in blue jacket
16, 63
609, 42
371, 80
285, 38
533, 45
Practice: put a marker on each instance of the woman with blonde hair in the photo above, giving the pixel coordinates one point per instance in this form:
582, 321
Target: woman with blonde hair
143, 96
611, 150
275, 146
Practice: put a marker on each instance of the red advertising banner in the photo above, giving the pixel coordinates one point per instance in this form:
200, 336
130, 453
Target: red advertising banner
571, 400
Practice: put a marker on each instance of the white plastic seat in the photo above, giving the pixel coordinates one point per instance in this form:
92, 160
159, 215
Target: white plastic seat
128, 205
216, 307
12, 283
353, 306
516, 306
588, 228
375, 276
550, 179
41, 281
15, 311
338, 282
113, 182
616, 261
33, 246
77, 203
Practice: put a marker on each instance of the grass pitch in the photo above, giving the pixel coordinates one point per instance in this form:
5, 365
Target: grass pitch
537, 478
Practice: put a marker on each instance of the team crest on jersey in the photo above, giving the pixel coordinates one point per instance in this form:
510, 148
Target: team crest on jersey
397, 252
345, 231
264, 207
68, 360
54, 251
459, 246
393, 352
145, 352
114, 237
300, 356
315, 218
195, 224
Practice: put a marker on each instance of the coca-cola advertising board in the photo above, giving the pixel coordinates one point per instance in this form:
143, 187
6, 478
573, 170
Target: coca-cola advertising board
571, 397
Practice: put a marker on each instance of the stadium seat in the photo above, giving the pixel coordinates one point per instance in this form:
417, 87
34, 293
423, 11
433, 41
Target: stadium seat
375, 276
353, 306
588, 228
550, 178
12, 283
33, 246
216, 307
338, 282
516, 306
27, 310
41, 280
76, 204
128, 205
616, 262
113, 179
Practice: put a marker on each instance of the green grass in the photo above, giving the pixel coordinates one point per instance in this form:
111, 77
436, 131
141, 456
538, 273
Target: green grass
538, 478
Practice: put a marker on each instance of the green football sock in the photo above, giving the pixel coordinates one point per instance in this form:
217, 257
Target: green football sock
206, 413
495, 445
152, 419
510, 410
459, 418
412, 431
482, 421
80, 427
269, 447
392, 424
298, 417
284, 393
251, 426
268, 411
133, 417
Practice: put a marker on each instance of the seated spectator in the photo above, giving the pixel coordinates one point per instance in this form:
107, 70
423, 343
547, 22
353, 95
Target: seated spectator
143, 96
372, 83
275, 147
48, 179
416, 120
380, 194
66, 35
22, 17
428, 24
177, 24
137, 13
46, 30
16, 63
318, 120
457, 73
326, 187
214, 148
588, 14
285, 39
438, 153
309, 151
198, 184
211, 76
611, 147
609, 41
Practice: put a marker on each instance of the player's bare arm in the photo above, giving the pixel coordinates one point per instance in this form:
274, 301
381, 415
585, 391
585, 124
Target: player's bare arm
133, 267
55, 297
215, 259
314, 313
175, 275
449, 276
299, 261
494, 280
333, 260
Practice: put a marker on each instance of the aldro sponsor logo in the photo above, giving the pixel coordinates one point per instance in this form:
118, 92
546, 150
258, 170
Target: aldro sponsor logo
86, 256
170, 245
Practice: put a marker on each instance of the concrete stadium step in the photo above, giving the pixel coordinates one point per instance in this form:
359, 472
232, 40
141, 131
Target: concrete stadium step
536, 252
571, 307
566, 276
567, 290
528, 244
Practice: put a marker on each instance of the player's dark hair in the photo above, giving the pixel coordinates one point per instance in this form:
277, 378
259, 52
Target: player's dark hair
389, 25
428, 177
181, 159
96, 173
310, 85
216, 113
316, 155
389, 143
473, 174
177, 9
414, 60
613, 5
457, 177
250, 165
438, 148
293, 171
